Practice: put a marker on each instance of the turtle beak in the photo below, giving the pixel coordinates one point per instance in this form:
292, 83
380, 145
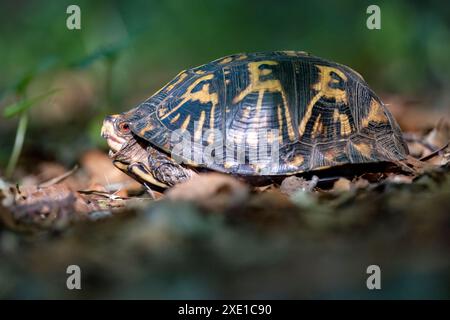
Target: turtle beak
108, 126
109, 133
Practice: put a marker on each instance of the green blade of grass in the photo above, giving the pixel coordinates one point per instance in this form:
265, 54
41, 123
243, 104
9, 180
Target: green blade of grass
108, 52
25, 104
21, 84
18, 144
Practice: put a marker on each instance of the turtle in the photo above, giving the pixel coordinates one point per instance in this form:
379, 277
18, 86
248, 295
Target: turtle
264, 114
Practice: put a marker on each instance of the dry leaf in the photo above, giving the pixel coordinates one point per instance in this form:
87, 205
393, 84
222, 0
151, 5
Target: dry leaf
101, 171
342, 184
292, 184
213, 191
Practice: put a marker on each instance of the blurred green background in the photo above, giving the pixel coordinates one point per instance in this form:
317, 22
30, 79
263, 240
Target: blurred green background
126, 50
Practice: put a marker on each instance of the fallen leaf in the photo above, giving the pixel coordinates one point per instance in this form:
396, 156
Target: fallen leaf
400, 179
440, 135
342, 184
49, 207
101, 171
292, 184
212, 191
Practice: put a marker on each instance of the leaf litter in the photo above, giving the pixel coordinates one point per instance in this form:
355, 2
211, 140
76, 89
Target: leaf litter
218, 236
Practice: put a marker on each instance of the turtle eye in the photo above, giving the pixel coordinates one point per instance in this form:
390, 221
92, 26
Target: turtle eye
124, 127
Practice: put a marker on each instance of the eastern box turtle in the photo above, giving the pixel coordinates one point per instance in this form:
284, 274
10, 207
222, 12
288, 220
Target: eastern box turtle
259, 114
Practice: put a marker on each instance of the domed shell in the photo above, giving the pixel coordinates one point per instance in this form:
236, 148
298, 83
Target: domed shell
274, 113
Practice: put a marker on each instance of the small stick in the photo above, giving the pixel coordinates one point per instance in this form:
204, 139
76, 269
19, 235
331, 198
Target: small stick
110, 196
411, 138
58, 179
434, 153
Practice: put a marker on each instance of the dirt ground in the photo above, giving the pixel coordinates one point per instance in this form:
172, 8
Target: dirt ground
218, 237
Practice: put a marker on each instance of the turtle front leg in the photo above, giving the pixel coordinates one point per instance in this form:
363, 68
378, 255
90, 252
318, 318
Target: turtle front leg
171, 173
162, 175
166, 170
159, 171
145, 175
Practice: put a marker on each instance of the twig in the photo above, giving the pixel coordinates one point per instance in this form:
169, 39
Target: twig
412, 138
59, 178
434, 153
110, 196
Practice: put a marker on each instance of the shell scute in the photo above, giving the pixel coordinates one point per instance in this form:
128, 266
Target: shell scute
313, 112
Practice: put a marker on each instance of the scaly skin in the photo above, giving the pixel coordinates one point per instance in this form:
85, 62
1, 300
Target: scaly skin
137, 158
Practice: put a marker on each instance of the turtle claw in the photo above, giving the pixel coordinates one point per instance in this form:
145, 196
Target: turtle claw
150, 191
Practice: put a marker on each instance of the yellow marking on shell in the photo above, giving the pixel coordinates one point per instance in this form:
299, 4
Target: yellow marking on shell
336, 116
346, 128
280, 123
158, 91
261, 86
308, 113
330, 156
203, 95
290, 128
293, 53
181, 76
324, 89
147, 128
237, 137
199, 72
228, 165
175, 119
190, 163
256, 84
198, 130
320, 128
162, 110
297, 161
317, 128
241, 57
185, 123
257, 167
376, 114
226, 60
364, 149
211, 137
211, 122
325, 79
252, 138
270, 137
246, 112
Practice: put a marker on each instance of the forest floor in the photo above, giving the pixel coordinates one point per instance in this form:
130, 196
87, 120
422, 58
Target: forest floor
217, 237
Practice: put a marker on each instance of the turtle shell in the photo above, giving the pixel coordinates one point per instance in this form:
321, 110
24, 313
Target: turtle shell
273, 113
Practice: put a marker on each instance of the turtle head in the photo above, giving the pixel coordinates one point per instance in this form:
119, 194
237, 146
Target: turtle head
117, 132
